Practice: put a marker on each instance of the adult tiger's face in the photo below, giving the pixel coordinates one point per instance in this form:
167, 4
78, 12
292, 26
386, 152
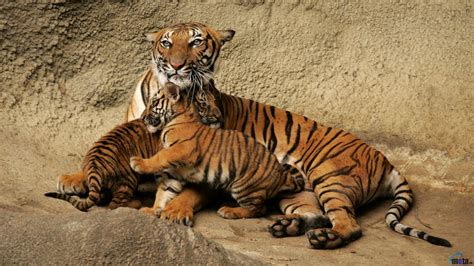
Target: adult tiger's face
186, 53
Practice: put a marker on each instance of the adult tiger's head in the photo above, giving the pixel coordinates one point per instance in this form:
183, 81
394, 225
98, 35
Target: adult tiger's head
186, 53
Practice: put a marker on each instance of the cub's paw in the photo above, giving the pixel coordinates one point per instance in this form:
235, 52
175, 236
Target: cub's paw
73, 184
324, 238
138, 165
158, 212
176, 213
235, 212
148, 211
288, 225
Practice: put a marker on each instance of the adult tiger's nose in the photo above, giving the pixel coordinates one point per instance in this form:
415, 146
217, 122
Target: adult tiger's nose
178, 64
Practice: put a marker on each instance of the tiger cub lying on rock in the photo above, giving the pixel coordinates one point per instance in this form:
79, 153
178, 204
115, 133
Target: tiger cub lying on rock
225, 159
106, 166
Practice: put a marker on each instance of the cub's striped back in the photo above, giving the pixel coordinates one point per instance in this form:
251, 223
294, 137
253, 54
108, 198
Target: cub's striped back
225, 159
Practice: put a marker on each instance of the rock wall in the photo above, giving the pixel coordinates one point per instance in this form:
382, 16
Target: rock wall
393, 72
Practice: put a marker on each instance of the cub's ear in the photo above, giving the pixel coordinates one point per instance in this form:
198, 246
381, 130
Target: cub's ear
152, 36
225, 35
171, 91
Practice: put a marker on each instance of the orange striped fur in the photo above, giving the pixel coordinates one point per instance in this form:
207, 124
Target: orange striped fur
226, 160
106, 167
344, 172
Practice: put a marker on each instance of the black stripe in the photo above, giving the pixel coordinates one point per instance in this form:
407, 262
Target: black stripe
341, 171
399, 208
341, 208
256, 112
272, 111
407, 230
329, 199
244, 121
320, 148
421, 235
297, 141
313, 129
289, 124
409, 191
394, 213
403, 198
288, 206
273, 140
401, 184
266, 124
393, 224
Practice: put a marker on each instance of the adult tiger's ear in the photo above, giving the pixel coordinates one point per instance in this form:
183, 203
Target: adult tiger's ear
152, 36
226, 35
171, 91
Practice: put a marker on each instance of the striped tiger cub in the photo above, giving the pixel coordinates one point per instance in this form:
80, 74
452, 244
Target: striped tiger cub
106, 166
225, 159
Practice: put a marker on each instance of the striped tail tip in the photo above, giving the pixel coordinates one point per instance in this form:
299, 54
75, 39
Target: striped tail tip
77, 203
52, 194
410, 231
438, 241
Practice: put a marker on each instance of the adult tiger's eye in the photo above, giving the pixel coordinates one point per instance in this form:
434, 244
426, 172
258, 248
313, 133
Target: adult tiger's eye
197, 42
165, 44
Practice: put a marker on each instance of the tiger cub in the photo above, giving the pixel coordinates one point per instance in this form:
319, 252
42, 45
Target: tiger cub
225, 159
106, 166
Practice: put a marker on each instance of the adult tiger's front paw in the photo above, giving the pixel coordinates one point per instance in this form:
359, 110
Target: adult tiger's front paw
139, 165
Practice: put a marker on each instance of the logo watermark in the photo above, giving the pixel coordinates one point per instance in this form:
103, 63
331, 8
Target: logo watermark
458, 259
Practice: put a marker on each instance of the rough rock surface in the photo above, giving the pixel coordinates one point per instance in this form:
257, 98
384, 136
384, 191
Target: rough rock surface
397, 73
121, 236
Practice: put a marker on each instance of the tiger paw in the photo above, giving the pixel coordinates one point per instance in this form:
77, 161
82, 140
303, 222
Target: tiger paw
147, 210
74, 184
176, 213
138, 165
324, 238
289, 225
235, 212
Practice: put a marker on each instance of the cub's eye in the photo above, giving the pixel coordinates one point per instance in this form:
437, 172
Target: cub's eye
165, 43
197, 43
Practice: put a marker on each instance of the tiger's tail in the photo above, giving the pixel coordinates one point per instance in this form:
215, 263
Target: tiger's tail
81, 204
402, 203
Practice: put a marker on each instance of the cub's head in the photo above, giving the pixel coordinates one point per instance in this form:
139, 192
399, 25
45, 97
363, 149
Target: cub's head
163, 107
186, 53
169, 103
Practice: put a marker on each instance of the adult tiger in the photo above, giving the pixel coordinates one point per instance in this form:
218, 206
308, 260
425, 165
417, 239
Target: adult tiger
344, 172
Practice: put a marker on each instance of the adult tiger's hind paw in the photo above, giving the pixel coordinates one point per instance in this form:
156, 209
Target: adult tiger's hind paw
324, 238
288, 225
